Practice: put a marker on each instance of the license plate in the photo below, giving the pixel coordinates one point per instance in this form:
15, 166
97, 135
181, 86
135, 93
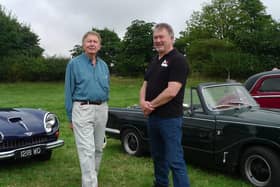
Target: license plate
29, 152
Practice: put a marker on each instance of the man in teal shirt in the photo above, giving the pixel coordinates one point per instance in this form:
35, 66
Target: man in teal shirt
86, 95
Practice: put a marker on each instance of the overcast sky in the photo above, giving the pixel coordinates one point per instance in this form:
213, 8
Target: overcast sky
60, 24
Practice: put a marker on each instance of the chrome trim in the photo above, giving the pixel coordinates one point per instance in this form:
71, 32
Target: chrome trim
20, 122
44, 121
251, 124
221, 84
51, 145
23, 125
57, 143
114, 131
234, 122
131, 111
28, 133
1, 137
266, 96
45, 117
200, 119
225, 157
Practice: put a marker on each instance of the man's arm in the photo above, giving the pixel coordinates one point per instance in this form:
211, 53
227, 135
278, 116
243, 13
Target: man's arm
142, 93
145, 105
167, 94
69, 85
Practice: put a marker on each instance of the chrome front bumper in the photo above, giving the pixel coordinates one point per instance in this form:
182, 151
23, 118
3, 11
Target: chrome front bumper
47, 146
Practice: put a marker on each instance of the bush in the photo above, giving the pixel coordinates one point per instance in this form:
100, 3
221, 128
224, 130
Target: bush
55, 69
24, 68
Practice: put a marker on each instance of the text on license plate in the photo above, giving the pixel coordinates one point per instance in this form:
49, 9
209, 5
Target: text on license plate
29, 152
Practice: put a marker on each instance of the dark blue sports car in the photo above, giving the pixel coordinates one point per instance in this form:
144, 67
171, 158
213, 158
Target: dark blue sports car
26, 132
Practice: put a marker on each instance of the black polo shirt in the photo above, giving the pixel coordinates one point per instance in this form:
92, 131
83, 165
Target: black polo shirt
171, 67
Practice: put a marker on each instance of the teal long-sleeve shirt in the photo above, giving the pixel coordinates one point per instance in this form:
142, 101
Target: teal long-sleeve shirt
83, 81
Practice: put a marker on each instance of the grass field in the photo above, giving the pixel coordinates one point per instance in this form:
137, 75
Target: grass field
117, 169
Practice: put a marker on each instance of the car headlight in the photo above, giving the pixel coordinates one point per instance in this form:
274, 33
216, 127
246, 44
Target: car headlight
49, 122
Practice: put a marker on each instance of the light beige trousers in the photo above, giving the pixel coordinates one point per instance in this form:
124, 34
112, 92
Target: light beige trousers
89, 123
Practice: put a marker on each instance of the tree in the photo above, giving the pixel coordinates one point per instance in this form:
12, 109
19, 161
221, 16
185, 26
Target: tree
77, 50
208, 54
19, 49
243, 23
258, 31
17, 38
137, 48
111, 46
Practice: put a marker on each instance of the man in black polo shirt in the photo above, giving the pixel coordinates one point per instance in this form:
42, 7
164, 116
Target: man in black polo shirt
161, 99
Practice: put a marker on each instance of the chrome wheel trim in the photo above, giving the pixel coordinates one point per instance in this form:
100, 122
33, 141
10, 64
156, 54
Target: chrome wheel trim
254, 163
131, 143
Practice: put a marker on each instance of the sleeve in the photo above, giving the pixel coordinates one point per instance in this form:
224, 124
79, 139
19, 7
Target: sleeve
108, 77
69, 89
148, 71
179, 70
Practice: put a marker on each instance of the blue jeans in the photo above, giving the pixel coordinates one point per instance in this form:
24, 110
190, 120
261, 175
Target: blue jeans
166, 150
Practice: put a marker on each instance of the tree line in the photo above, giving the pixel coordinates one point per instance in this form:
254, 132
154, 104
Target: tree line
227, 38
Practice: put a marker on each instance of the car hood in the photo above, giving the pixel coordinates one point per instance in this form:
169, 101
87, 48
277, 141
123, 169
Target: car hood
15, 121
260, 117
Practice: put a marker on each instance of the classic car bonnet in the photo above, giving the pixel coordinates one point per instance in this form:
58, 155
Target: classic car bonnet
15, 121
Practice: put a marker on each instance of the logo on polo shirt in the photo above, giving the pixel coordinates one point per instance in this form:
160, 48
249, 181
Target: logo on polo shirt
164, 63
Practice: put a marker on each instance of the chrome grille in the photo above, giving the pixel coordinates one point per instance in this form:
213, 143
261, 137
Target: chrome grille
18, 143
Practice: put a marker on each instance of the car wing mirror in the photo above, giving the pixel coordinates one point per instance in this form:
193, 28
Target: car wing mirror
187, 109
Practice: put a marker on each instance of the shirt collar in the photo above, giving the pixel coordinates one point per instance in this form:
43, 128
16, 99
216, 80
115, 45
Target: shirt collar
89, 60
166, 55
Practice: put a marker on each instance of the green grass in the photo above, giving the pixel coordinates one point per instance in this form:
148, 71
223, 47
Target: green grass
117, 168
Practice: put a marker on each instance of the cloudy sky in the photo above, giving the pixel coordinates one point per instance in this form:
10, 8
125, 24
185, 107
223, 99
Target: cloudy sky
60, 24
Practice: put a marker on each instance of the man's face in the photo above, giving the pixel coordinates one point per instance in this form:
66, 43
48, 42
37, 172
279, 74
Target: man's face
91, 44
163, 42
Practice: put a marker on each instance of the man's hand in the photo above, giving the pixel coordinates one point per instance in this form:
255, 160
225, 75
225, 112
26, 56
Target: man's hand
146, 107
71, 126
